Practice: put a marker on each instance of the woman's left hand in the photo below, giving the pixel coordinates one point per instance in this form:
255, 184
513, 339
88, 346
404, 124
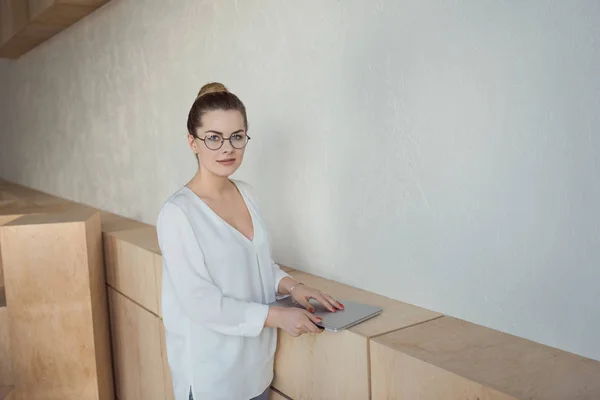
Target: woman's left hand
301, 294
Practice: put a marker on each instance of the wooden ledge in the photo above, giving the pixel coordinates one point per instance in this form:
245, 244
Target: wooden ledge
395, 315
134, 266
309, 366
463, 354
5, 392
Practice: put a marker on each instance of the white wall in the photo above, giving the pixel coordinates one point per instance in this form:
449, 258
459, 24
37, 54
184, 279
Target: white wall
440, 153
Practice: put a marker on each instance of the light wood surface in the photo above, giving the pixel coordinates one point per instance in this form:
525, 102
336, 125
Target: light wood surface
274, 395
169, 394
396, 375
114, 223
59, 338
395, 315
285, 268
133, 265
5, 392
309, 366
25, 24
137, 350
479, 356
6, 376
13, 18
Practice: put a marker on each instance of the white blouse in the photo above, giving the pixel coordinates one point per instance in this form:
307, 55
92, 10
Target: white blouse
215, 289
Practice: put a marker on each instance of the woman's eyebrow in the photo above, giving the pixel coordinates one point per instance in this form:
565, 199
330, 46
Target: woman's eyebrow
221, 133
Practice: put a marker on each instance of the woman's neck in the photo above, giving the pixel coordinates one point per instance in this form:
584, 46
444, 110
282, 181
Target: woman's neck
209, 185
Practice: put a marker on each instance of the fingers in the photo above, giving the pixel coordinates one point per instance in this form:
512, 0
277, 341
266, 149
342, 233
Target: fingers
326, 302
313, 318
334, 302
311, 323
305, 303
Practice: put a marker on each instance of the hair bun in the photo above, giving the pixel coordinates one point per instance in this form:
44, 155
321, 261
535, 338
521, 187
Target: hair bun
212, 87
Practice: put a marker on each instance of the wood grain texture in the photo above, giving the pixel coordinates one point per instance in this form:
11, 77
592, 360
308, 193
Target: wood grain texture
43, 255
308, 367
395, 315
133, 261
169, 394
14, 16
5, 392
398, 376
114, 223
495, 360
26, 24
6, 376
138, 362
285, 268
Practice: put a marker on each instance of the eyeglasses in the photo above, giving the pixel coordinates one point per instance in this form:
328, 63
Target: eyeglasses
215, 141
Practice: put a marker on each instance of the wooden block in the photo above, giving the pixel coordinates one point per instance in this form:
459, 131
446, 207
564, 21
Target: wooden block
114, 223
395, 315
59, 338
169, 393
28, 23
453, 359
286, 268
138, 362
13, 18
310, 366
133, 265
5, 392
12, 210
6, 376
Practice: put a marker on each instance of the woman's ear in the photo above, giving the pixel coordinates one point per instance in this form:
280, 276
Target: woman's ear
192, 143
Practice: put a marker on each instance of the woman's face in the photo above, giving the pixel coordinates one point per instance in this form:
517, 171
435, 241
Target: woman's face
217, 154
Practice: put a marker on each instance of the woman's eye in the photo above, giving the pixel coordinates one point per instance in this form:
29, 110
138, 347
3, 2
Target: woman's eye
237, 136
214, 138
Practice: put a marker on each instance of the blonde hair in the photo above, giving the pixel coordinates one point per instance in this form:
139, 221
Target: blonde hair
212, 87
213, 96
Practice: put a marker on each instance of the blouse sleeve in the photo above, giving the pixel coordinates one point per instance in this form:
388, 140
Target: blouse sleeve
202, 301
279, 274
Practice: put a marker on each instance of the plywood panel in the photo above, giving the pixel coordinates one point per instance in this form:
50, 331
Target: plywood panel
5, 392
6, 376
29, 23
285, 268
309, 367
13, 18
137, 350
485, 358
396, 375
274, 395
132, 263
43, 256
395, 315
312, 366
10, 211
169, 394
114, 223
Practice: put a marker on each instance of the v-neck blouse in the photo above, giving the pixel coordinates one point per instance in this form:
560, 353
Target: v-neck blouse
216, 285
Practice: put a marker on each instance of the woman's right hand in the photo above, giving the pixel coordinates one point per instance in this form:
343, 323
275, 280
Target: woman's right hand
295, 321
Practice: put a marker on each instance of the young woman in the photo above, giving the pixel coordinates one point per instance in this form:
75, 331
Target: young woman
218, 272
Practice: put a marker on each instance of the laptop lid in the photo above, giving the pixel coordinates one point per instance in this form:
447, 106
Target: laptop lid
352, 314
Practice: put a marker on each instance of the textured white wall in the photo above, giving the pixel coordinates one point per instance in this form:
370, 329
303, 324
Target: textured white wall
441, 153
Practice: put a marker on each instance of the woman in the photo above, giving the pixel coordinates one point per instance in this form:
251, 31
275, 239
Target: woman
218, 272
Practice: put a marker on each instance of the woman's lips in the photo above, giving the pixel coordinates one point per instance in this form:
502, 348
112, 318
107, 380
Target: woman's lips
228, 161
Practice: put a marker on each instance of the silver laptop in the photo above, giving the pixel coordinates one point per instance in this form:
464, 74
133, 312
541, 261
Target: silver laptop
352, 314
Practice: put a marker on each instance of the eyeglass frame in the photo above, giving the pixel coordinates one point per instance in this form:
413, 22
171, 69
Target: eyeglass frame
223, 139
